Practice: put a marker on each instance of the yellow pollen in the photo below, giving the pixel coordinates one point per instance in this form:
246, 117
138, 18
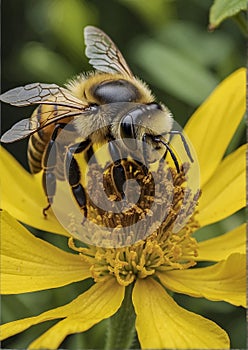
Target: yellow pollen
162, 250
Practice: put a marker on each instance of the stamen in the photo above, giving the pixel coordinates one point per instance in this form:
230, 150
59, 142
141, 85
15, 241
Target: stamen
170, 244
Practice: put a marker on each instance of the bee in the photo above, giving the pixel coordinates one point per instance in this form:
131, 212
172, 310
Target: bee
101, 106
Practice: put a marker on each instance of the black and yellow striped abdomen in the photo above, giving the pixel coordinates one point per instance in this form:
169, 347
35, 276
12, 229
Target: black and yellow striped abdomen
39, 140
36, 148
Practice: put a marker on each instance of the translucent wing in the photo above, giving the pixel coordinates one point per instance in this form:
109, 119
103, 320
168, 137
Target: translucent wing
103, 53
18, 131
38, 93
63, 105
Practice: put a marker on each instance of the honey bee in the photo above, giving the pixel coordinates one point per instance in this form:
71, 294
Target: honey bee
105, 105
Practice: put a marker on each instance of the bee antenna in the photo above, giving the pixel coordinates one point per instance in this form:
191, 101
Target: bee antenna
173, 156
186, 146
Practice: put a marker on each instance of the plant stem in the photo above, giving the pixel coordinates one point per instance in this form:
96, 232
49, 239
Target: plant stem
121, 328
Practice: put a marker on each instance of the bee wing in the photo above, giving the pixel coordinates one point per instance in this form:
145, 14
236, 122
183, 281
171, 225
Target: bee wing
103, 53
38, 93
18, 131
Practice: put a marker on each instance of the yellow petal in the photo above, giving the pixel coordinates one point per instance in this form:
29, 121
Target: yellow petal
224, 193
225, 281
31, 264
219, 248
23, 196
213, 125
162, 324
101, 301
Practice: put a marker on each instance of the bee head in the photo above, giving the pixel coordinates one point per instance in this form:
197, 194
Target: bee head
141, 127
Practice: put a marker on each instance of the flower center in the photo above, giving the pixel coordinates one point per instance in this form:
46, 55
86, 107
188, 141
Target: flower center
170, 244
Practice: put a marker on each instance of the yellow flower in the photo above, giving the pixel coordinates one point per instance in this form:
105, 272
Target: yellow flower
139, 276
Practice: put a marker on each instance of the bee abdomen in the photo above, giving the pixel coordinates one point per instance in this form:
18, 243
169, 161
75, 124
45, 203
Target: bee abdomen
36, 148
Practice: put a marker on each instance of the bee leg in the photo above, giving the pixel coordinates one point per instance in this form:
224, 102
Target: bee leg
80, 147
118, 173
49, 186
49, 163
119, 178
74, 175
144, 145
89, 154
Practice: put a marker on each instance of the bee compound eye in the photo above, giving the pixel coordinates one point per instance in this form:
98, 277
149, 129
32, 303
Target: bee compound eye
128, 133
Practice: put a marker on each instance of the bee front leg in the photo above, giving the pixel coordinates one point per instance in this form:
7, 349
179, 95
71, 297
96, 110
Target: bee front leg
145, 166
118, 173
74, 175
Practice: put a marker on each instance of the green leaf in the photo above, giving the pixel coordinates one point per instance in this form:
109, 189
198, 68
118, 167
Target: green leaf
39, 61
215, 49
63, 21
154, 13
174, 72
222, 9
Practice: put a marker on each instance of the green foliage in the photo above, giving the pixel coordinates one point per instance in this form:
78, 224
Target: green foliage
39, 61
191, 83
179, 66
152, 15
222, 9
63, 21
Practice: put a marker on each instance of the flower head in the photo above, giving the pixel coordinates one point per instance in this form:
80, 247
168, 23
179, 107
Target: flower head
131, 283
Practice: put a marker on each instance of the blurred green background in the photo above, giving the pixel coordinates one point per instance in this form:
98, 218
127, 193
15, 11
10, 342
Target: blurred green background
168, 45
